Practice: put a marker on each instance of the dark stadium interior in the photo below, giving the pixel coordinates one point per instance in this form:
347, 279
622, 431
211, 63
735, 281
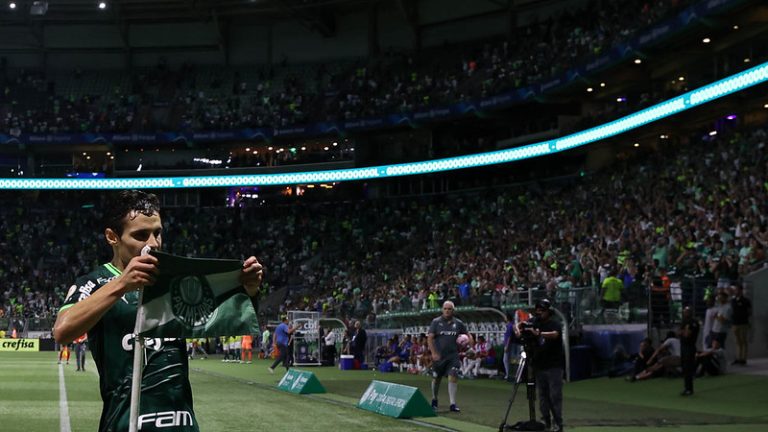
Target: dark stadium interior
176, 88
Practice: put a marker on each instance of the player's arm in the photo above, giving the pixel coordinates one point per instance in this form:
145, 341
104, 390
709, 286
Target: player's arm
291, 330
432, 347
72, 322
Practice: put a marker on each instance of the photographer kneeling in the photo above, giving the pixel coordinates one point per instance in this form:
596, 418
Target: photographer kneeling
544, 345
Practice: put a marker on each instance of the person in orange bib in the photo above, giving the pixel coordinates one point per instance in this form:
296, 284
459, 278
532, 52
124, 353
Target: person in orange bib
64, 353
247, 349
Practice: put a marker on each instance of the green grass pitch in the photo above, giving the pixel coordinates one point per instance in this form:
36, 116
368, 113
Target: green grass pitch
243, 397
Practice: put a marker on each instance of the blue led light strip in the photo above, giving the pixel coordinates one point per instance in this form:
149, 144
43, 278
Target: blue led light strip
707, 93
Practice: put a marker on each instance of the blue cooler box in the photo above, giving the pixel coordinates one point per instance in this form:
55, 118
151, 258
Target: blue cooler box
346, 362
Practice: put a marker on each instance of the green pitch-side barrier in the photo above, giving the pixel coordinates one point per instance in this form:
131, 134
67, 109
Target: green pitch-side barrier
395, 400
300, 382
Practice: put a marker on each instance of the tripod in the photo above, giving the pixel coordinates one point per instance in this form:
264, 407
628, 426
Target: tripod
530, 387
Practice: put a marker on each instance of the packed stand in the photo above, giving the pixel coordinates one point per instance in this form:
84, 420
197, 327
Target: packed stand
698, 210
33, 103
196, 98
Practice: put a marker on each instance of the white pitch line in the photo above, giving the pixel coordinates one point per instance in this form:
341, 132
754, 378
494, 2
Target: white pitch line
64, 424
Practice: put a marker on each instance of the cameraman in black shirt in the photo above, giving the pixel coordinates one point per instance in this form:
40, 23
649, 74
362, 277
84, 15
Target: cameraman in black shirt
547, 360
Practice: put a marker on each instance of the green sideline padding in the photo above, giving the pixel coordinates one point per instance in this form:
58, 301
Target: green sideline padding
395, 400
300, 382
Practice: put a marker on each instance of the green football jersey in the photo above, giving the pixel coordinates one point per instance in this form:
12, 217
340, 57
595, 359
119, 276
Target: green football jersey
166, 396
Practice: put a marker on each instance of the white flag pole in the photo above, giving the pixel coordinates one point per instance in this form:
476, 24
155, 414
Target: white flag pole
138, 362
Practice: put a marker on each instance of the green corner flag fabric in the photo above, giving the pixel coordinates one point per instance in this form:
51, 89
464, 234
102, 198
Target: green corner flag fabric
196, 298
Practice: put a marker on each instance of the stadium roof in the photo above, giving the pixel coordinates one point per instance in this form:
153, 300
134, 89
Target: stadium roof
137, 11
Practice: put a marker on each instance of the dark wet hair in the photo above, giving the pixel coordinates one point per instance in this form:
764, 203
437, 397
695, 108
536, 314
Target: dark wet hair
128, 203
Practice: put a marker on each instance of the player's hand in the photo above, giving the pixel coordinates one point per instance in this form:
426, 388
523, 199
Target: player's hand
435, 357
251, 276
141, 271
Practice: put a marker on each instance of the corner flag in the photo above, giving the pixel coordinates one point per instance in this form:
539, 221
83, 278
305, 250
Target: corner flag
196, 298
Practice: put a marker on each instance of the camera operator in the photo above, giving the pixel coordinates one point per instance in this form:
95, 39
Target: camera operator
544, 345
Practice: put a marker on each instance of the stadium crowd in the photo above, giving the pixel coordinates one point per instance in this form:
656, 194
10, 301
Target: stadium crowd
197, 99
697, 209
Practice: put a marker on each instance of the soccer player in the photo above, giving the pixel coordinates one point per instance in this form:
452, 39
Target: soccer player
64, 353
266, 342
234, 349
225, 348
80, 351
104, 302
197, 347
247, 349
442, 336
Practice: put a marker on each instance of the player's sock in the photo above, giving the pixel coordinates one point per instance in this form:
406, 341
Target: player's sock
452, 386
435, 387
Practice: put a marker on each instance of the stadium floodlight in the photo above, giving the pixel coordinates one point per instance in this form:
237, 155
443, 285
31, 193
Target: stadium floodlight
706, 40
12, 5
102, 5
729, 85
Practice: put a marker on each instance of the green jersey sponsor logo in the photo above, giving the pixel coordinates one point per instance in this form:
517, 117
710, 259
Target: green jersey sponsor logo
166, 419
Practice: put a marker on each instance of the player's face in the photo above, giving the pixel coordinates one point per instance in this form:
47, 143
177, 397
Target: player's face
447, 311
138, 232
